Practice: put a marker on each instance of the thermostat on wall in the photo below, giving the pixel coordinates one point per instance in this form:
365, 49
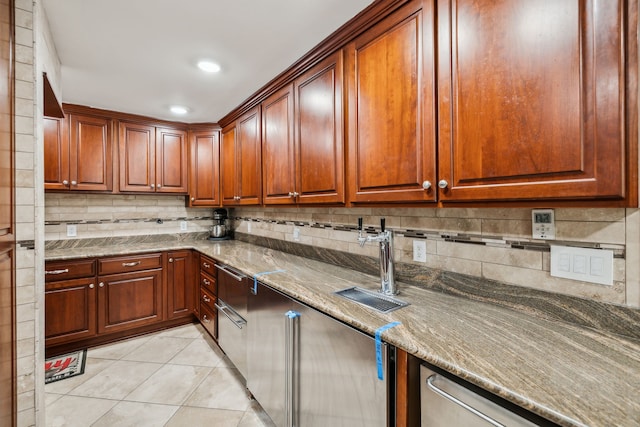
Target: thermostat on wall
543, 224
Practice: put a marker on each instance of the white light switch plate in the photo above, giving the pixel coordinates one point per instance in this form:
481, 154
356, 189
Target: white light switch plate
183, 225
296, 234
72, 230
420, 250
588, 265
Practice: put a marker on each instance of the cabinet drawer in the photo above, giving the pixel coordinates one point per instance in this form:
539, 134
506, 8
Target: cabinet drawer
207, 265
209, 319
209, 283
207, 299
63, 270
129, 263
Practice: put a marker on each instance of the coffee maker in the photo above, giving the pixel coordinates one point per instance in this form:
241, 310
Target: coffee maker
220, 229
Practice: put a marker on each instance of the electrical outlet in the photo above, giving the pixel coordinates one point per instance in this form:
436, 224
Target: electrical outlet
296, 234
72, 230
183, 225
585, 264
420, 250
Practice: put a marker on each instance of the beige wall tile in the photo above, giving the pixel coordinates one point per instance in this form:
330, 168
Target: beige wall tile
632, 271
590, 215
24, 90
602, 232
508, 228
24, 54
24, 37
23, 18
542, 280
456, 225
506, 256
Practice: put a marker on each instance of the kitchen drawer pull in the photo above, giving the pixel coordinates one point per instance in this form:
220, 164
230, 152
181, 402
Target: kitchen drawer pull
223, 309
238, 276
206, 298
207, 282
205, 265
204, 319
66, 270
131, 264
459, 402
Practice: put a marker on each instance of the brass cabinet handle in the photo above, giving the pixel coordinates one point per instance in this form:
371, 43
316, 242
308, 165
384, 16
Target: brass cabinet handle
130, 264
66, 270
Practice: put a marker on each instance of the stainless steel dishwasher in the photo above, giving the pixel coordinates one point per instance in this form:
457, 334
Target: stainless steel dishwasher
233, 290
445, 403
308, 369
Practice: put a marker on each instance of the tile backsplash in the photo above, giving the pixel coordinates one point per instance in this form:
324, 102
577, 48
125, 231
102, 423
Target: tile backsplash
483, 242
98, 215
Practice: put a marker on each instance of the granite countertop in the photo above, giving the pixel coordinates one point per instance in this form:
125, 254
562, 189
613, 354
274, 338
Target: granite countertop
571, 375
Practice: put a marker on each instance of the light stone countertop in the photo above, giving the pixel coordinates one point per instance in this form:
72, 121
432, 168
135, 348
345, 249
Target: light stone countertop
573, 376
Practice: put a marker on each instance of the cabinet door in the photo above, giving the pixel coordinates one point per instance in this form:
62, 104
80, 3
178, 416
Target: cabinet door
171, 161
278, 178
391, 121
204, 183
137, 157
181, 285
249, 159
129, 300
90, 153
531, 99
228, 166
70, 310
319, 133
56, 154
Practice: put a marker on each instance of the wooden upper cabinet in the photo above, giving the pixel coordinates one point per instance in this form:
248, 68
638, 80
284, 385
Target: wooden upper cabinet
90, 153
302, 138
228, 166
391, 104
241, 160
137, 157
56, 154
531, 99
204, 179
278, 152
171, 161
319, 130
78, 153
152, 160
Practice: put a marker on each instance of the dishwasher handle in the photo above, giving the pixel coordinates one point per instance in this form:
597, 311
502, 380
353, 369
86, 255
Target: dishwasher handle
233, 273
239, 322
439, 391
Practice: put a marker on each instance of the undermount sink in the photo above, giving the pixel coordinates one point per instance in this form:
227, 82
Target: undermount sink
375, 300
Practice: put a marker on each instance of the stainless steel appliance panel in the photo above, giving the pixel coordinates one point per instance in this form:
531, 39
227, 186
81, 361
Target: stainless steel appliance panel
233, 288
266, 350
322, 370
337, 375
444, 403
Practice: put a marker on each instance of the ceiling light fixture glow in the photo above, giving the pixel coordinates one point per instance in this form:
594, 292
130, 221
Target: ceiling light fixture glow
178, 109
208, 66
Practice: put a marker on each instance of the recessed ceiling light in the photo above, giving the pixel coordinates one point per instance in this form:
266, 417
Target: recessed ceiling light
179, 109
208, 66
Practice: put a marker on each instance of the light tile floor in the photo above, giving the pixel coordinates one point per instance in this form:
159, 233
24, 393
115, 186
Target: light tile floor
178, 377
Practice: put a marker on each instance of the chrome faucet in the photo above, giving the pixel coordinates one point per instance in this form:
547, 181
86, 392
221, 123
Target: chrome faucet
385, 238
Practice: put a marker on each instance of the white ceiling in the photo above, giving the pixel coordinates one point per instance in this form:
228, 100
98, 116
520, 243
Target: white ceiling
139, 56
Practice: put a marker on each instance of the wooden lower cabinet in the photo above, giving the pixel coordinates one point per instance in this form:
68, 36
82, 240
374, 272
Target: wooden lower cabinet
129, 300
70, 310
208, 295
181, 285
93, 301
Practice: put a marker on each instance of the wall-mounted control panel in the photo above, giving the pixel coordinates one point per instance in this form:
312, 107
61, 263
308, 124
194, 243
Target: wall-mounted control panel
588, 265
543, 224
